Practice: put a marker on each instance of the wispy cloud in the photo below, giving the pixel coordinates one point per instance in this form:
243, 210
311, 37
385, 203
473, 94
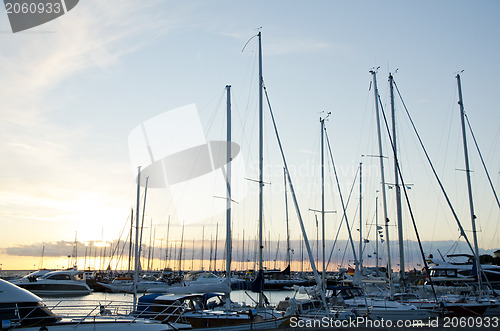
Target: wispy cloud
48, 176
94, 34
296, 45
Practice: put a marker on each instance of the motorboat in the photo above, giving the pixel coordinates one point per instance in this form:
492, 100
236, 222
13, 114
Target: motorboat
21, 309
458, 275
31, 276
69, 282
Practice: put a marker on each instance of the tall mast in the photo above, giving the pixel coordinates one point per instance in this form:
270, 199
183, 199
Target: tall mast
130, 241
322, 120
167, 255
202, 246
469, 186
228, 198
143, 213
215, 248
75, 263
384, 198
376, 232
261, 165
180, 250
288, 255
149, 248
211, 251
398, 188
137, 257
360, 217
153, 250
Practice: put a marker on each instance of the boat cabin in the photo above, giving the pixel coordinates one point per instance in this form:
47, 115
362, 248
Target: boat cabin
170, 307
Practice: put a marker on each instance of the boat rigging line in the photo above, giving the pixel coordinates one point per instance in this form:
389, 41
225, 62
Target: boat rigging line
482, 160
296, 204
455, 216
342, 219
344, 209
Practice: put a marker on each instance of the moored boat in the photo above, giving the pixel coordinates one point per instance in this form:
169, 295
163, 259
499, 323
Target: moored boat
70, 282
21, 309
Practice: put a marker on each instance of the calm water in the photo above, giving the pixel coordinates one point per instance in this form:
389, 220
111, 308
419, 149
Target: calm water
99, 297
89, 302
121, 303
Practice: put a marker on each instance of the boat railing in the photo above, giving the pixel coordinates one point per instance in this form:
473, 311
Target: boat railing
90, 310
19, 315
36, 314
163, 312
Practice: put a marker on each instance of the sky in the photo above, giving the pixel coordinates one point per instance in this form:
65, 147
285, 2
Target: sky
72, 91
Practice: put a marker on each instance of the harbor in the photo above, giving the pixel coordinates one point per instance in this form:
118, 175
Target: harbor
170, 168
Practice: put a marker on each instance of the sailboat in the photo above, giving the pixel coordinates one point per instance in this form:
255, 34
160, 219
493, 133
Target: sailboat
460, 306
228, 315
472, 269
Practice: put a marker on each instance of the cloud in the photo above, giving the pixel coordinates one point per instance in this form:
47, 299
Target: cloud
297, 45
64, 248
55, 249
49, 176
94, 35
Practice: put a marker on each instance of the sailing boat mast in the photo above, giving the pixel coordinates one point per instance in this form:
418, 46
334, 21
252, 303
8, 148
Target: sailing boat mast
180, 250
167, 255
360, 218
261, 166
130, 240
469, 187
288, 255
215, 248
384, 198
228, 198
136, 266
322, 120
376, 232
398, 188
202, 247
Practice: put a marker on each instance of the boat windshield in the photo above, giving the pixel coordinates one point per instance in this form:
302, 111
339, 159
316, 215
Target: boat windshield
443, 273
58, 277
192, 276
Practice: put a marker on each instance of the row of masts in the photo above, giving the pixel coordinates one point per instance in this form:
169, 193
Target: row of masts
398, 188
103, 255
397, 174
358, 258
358, 261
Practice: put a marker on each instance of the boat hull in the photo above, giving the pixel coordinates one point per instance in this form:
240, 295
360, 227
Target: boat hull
56, 289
